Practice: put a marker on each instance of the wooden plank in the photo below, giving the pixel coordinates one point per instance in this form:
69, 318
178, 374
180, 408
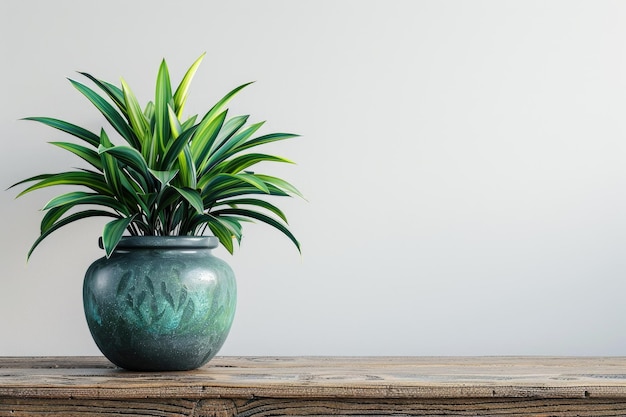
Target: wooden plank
262, 386
394, 377
303, 407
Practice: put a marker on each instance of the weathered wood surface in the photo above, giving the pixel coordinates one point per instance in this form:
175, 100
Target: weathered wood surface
272, 386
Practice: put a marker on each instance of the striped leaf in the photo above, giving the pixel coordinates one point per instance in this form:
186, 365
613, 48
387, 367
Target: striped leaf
222, 232
86, 154
220, 106
175, 148
114, 93
254, 181
204, 138
109, 112
164, 177
138, 121
193, 197
245, 161
113, 232
257, 202
189, 122
67, 220
229, 128
180, 96
163, 97
281, 184
128, 156
229, 147
171, 177
262, 140
87, 179
187, 168
52, 216
82, 198
262, 218
175, 126
73, 130
112, 171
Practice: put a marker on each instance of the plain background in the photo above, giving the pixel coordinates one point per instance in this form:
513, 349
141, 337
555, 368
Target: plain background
463, 163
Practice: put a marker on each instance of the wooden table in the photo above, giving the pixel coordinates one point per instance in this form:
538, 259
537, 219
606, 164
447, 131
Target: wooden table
306, 386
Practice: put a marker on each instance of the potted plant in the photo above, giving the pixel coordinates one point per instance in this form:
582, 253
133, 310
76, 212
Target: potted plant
158, 299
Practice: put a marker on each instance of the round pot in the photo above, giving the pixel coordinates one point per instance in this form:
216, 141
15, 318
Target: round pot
160, 303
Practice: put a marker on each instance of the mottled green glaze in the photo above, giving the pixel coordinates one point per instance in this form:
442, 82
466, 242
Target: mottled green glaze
160, 303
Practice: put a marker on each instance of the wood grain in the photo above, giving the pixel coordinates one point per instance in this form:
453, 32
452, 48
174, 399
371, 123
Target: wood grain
274, 386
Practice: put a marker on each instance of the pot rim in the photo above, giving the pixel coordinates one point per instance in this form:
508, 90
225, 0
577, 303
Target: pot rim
165, 242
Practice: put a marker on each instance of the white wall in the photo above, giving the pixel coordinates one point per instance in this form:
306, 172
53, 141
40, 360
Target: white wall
463, 163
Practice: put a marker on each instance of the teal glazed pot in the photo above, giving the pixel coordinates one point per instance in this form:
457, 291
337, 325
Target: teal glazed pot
160, 303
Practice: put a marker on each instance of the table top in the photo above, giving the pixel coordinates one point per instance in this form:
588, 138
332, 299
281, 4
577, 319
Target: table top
322, 377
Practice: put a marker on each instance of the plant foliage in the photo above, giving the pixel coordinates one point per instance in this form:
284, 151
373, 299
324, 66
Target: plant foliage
171, 176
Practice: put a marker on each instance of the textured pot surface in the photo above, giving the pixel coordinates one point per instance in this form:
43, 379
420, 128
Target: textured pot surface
160, 303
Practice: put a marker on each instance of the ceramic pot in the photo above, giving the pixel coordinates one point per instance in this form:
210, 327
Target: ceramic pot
160, 303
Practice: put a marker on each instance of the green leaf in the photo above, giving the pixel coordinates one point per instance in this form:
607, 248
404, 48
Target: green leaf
136, 182
262, 140
80, 197
245, 161
138, 121
87, 179
73, 130
148, 112
113, 232
164, 177
187, 168
180, 219
52, 216
189, 122
223, 186
149, 198
109, 112
193, 197
127, 155
112, 171
257, 202
281, 184
30, 179
176, 147
219, 182
220, 105
204, 138
67, 220
87, 154
222, 232
254, 181
111, 90
230, 147
261, 217
213, 197
180, 96
229, 129
225, 228
162, 100
175, 126
174, 176
234, 225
